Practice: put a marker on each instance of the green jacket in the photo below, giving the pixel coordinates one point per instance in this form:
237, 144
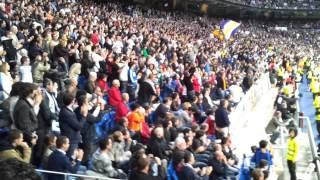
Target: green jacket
12, 153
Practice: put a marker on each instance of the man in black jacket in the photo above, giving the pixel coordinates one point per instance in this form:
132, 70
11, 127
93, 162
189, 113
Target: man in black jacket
70, 124
141, 171
58, 161
48, 111
221, 168
88, 131
187, 172
147, 91
26, 110
222, 118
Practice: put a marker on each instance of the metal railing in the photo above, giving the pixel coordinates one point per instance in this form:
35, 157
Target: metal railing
69, 175
313, 146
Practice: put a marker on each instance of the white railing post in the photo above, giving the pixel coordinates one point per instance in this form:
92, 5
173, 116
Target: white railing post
312, 144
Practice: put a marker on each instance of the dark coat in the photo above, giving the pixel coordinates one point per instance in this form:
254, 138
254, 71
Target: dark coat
157, 147
219, 169
135, 175
57, 161
25, 118
70, 125
187, 173
45, 116
88, 130
60, 51
145, 93
221, 117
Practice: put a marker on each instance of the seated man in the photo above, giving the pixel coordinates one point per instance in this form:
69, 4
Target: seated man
101, 162
58, 160
188, 172
221, 168
8, 147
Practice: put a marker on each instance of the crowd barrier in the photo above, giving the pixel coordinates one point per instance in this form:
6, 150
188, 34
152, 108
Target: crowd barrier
248, 102
69, 176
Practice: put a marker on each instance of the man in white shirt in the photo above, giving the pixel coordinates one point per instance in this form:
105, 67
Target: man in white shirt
236, 92
117, 45
123, 76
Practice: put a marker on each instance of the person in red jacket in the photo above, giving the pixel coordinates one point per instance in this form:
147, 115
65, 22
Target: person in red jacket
95, 38
102, 83
196, 84
122, 109
115, 94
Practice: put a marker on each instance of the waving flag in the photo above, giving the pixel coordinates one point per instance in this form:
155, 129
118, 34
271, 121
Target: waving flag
229, 27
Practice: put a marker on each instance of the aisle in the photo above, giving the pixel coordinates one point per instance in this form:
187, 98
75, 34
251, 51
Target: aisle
306, 106
304, 167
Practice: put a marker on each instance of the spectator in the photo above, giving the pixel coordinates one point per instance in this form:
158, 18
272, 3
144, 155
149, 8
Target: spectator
8, 147
262, 153
6, 80
122, 109
114, 94
147, 91
158, 145
236, 92
50, 146
120, 150
26, 110
70, 125
142, 169
101, 162
102, 83
8, 105
15, 169
222, 118
132, 81
247, 81
88, 131
25, 70
257, 174
40, 67
163, 109
221, 168
186, 115
188, 172
136, 118
91, 83
58, 161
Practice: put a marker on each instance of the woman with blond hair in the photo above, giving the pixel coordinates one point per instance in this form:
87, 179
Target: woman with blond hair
6, 80
75, 70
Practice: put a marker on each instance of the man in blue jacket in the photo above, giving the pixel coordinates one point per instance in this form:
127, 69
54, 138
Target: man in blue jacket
70, 124
222, 118
58, 161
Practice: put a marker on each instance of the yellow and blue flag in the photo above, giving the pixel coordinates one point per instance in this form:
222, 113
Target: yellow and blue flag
229, 27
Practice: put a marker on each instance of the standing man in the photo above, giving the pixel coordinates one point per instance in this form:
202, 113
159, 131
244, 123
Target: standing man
70, 125
222, 118
292, 153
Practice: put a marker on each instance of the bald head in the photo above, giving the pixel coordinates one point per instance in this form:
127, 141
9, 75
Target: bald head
116, 83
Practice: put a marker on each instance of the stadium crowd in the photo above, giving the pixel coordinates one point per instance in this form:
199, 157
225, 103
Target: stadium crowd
137, 93
279, 4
